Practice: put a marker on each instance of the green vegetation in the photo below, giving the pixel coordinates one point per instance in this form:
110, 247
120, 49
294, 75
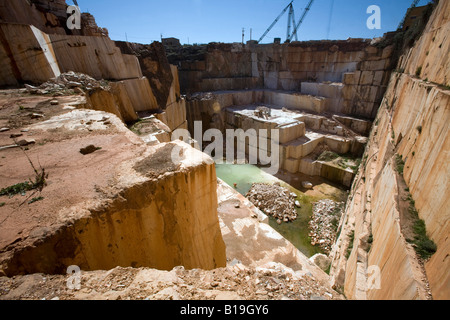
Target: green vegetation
136, 126
337, 216
401, 70
38, 184
23, 187
344, 161
328, 156
424, 246
36, 200
2, 204
354, 164
20, 188
419, 71
369, 242
350, 245
399, 164
328, 270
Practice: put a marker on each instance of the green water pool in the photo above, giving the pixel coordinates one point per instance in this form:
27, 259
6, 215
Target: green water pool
296, 232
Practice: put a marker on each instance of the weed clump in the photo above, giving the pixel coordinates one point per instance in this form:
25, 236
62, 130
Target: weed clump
399, 164
350, 246
424, 246
37, 184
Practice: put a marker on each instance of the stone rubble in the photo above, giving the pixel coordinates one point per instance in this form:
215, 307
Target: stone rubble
324, 222
272, 281
274, 200
68, 83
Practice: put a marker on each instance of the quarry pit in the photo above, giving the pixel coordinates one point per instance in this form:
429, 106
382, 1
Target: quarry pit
88, 177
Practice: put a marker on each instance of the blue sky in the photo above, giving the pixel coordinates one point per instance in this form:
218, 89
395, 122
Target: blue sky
204, 21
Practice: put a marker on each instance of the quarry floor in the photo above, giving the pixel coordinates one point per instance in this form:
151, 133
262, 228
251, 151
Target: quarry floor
261, 264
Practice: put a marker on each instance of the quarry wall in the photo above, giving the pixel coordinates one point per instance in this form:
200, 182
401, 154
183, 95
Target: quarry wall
413, 123
47, 16
351, 74
30, 56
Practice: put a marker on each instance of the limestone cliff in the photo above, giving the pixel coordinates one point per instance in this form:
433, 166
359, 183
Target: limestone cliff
405, 170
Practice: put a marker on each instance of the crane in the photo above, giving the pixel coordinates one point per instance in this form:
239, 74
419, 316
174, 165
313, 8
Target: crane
413, 5
289, 6
291, 21
308, 7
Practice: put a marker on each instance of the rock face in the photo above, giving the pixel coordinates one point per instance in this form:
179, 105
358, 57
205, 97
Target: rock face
50, 16
155, 67
412, 125
133, 207
37, 47
349, 76
79, 63
32, 56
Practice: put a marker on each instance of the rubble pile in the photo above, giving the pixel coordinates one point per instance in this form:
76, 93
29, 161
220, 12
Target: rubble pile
272, 281
324, 223
274, 200
68, 83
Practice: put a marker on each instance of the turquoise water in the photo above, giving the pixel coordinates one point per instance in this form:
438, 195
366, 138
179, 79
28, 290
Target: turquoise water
243, 175
296, 232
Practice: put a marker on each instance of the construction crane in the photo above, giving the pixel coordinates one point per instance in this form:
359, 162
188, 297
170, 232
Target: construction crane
308, 7
413, 5
291, 10
291, 22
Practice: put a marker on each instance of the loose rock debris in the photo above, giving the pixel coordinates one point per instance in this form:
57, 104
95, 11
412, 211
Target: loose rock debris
275, 201
238, 282
324, 223
67, 83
